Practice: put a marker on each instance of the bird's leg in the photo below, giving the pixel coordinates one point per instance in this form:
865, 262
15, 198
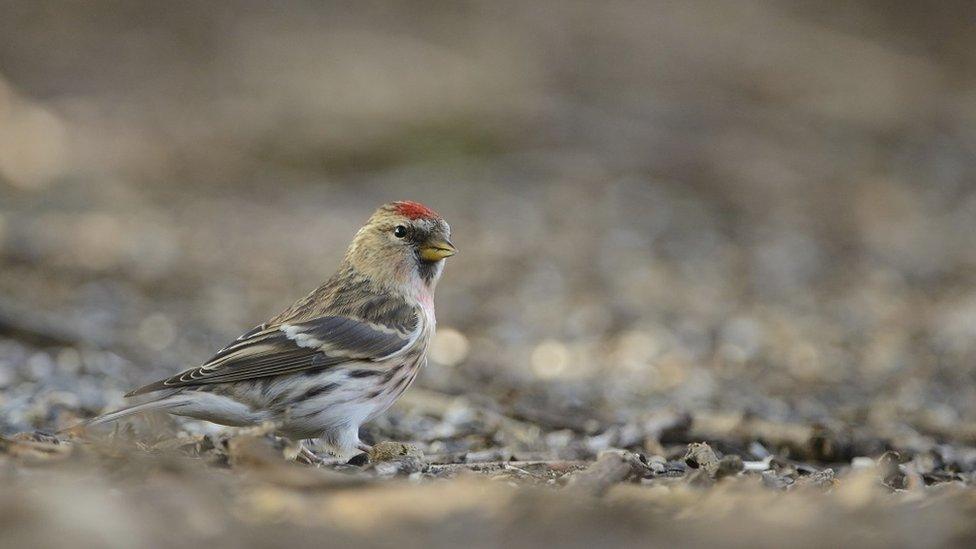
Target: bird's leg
364, 458
309, 457
306, 455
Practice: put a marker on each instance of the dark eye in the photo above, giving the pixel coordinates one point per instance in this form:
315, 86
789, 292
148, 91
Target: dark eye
399, 231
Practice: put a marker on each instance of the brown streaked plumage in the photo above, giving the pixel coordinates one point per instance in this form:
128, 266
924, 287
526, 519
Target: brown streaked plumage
336, 358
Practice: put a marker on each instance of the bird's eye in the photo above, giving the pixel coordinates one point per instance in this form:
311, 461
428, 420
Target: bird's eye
399, 231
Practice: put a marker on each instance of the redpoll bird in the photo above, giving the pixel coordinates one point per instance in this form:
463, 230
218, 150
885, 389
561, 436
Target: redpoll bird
335, 359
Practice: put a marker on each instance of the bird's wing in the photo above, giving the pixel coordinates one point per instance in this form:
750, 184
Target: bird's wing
291, 347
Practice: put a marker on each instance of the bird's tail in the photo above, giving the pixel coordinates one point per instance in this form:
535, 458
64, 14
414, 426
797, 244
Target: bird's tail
164, 402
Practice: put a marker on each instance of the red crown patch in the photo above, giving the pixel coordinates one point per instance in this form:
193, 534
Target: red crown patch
414, 210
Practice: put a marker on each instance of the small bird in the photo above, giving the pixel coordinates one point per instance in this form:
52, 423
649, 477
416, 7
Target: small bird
338, 357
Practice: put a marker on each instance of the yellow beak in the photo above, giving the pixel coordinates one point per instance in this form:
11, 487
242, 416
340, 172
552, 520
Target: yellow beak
435, 250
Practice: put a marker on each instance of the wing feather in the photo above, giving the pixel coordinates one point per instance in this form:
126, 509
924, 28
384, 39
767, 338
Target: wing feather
289, 348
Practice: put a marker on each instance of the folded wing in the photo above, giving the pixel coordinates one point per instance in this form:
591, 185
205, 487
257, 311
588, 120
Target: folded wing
289, 348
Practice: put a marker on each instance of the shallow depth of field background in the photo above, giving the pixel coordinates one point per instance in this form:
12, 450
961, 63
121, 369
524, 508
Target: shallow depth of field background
760, 208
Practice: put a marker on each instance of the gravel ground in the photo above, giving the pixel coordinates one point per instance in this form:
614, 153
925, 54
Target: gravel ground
716, 283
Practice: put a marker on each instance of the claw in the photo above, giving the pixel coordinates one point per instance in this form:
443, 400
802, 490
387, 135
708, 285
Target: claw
307, 456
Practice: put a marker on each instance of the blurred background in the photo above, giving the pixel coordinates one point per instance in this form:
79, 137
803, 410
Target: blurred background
753, 208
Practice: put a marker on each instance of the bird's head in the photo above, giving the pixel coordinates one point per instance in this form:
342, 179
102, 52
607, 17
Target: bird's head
402, 243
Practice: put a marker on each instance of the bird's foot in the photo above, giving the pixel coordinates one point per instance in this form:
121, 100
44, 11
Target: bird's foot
307, 456
361, 459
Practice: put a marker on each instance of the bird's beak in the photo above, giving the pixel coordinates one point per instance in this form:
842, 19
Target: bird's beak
437, 249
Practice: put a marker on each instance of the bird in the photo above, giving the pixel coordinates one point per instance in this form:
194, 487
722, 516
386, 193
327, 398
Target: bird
338, 357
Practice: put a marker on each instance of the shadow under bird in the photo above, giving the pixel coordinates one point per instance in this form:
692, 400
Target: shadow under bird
338, 357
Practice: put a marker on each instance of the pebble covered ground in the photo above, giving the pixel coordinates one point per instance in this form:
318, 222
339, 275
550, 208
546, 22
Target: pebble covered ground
716, 281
